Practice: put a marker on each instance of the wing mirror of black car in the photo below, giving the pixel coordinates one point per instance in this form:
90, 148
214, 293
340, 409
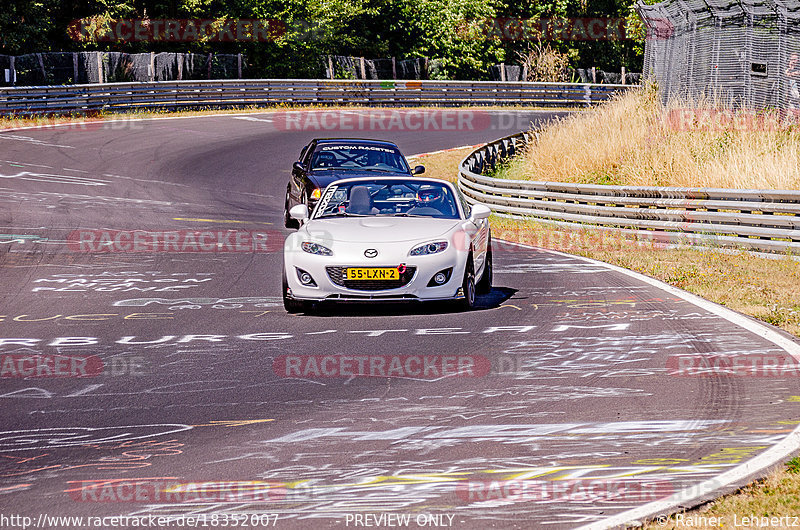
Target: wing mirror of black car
419, 170
298, 166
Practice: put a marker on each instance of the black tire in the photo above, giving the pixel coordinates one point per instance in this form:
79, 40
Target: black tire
468, 287
289, 304
288, 222
485, 284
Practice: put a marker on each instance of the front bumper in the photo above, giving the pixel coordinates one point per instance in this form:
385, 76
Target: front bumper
416, 289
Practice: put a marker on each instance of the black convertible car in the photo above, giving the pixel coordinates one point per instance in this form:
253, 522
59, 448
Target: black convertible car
326, 160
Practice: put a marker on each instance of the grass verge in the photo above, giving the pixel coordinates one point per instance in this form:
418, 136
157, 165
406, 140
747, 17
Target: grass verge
442, 165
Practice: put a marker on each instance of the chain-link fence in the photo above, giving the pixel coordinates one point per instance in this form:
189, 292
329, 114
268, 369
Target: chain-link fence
745, 52
515, 72
63, 68
346, 67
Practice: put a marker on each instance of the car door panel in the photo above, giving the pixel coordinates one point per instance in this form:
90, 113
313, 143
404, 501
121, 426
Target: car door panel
297, 181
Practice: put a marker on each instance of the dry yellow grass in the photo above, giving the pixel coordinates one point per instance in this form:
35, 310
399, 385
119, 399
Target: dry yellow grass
777, 495
635, 140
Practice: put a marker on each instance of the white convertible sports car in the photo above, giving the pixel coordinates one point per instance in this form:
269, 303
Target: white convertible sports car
375, 239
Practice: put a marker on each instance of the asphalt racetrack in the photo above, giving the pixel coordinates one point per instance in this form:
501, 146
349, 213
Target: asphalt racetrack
173, 384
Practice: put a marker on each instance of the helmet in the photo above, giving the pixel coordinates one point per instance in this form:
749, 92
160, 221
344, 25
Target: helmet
428, 195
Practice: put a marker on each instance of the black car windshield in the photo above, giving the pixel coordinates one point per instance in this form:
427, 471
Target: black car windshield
352, 156
395, 198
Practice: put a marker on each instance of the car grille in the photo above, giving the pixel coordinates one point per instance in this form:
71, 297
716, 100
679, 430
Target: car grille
338, 275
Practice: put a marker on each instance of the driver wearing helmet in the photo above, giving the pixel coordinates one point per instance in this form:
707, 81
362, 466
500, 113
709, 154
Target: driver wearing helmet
430, 200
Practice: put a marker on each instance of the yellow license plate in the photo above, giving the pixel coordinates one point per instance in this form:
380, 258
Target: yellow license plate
373, 274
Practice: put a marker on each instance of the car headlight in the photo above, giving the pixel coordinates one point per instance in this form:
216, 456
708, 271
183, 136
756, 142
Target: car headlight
316, 193
428, 248
315, 248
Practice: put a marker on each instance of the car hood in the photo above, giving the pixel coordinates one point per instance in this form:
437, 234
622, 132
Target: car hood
323, 178
379, 229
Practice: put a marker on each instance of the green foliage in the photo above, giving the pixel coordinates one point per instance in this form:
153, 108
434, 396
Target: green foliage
24, 25
316, 28
793, 465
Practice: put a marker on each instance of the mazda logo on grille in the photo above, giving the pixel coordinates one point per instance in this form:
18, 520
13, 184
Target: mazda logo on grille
370, 253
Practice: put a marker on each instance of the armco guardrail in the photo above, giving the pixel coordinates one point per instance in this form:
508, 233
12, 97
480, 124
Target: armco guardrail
764, 220
244, 92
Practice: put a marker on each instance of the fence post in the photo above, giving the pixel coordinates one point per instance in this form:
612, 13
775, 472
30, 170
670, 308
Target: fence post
152, 66
363, 69
210, 59
782, 96
502, 71
239, 64
74, 68
12, 71
99, 56
330, 68
180, 66
426, 68
594, 75
524, 72
394, 68
623, 75
41, 65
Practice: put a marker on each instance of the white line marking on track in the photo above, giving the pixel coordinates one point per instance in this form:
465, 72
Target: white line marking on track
33, 141
55, 179
768, 458
250, 118
12, 162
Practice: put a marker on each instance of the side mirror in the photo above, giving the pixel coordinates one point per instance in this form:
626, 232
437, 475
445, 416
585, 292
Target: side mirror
299, 213
479, 211
298, 166
419, 170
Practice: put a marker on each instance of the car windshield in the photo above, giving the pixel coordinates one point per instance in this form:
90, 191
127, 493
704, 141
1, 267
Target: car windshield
396, 198
358, 157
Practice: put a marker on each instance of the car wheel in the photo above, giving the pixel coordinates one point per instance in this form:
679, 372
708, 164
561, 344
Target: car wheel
288, 222
485, 284
289, 304
468, 287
